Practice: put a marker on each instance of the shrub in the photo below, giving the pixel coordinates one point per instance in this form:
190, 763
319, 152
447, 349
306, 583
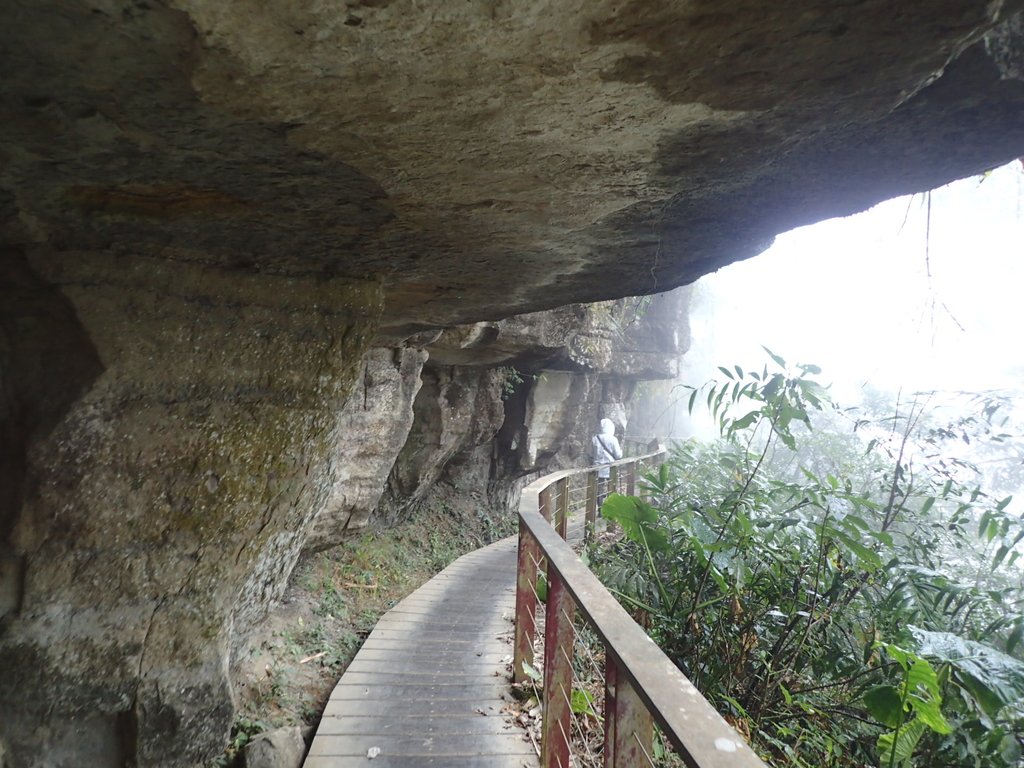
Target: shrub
861, 616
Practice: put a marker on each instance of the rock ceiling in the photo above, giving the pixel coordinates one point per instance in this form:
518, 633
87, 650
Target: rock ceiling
486, 158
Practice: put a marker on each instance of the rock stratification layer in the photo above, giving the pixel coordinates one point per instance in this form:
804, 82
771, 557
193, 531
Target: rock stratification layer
211, 211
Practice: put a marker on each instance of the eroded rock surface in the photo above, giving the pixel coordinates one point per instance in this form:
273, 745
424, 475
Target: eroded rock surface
160, 510
373, 428
598, 149
211, 210
280, 748
456, 410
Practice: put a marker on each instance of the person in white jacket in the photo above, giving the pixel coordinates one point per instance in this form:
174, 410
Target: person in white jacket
606, 449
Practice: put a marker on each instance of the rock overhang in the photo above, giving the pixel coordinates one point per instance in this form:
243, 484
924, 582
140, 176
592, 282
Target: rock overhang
484, 159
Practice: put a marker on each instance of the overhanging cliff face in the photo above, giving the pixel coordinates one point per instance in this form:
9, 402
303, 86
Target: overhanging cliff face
211, 211
599, 149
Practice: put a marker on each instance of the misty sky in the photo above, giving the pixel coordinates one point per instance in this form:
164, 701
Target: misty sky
855, 296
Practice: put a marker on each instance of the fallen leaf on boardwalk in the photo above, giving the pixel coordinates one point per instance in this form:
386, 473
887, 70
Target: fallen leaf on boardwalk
481, 712
372, 752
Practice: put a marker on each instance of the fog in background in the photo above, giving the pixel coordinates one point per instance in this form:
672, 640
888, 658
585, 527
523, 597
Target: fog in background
918, 293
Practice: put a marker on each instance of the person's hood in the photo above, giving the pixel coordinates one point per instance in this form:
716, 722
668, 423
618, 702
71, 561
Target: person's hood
607, 427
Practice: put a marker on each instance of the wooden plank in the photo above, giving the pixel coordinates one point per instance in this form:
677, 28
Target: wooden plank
467, 608
545, 503
493, 616
492, 610
561, 521
433, 597
426, 647
423, 678
414, 667
452, 673
444, 744
439, 631
392, 629
440, 620
423, 761
384, 655
446, 614
472, 723
488, 688
404, 708
416, 635
455, 643
428, 608
591, 504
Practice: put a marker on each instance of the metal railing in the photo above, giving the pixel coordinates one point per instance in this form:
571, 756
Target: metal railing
642, 688
633, 446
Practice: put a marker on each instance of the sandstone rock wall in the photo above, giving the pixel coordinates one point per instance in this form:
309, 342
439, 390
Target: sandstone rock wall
504, 401
374, 426
457, 409
163, 506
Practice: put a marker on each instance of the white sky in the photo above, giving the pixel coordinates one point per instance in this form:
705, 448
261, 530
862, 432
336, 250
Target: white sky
853, 295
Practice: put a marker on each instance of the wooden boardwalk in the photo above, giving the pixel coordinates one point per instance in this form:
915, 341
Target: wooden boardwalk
430, 685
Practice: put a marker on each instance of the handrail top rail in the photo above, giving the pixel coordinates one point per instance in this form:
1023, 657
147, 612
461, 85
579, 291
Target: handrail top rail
544, 481
702, 736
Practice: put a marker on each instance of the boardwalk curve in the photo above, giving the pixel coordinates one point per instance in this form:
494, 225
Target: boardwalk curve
429, 685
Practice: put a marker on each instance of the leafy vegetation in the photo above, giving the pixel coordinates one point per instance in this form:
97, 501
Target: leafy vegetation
243, 731
848, 597
512, 378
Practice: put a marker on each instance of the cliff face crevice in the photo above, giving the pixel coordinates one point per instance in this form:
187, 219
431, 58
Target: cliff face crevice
46, 362
269, 274
374, 426
456, 410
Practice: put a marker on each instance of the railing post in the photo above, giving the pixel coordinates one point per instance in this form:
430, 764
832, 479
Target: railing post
612, 487
562, 525
628, 729
656, 462
526, 604
591, 509
631, 479
544, 504
556, 724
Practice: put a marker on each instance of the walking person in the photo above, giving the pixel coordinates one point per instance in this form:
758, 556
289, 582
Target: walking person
605, 449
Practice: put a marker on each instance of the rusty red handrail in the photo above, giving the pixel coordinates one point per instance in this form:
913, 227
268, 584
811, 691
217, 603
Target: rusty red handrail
642, 685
